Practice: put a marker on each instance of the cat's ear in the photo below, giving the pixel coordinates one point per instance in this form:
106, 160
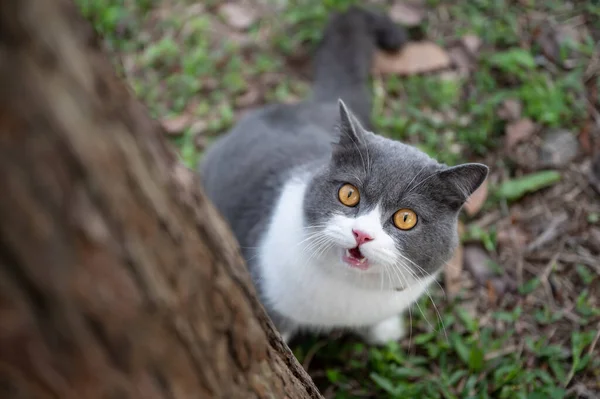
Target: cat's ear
351, 131
462, 181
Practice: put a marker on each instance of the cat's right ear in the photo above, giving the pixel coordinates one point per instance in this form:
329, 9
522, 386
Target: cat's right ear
351, 131
462, 181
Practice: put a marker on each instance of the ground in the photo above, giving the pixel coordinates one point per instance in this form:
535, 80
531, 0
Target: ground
514, 84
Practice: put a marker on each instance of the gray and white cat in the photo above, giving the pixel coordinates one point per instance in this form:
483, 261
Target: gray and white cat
340, 227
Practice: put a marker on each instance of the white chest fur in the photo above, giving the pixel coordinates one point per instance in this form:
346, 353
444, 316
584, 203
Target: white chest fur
302, 287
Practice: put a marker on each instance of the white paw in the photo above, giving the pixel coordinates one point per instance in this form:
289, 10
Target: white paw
388, 330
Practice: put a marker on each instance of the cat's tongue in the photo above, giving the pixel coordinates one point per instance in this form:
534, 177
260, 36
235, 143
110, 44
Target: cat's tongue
355, 258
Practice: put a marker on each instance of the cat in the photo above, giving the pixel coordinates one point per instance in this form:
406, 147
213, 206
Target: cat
341, 228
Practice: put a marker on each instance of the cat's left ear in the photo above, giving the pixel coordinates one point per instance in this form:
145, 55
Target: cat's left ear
351, 131
463, 180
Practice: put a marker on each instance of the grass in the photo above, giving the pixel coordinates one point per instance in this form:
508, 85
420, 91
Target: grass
180, 57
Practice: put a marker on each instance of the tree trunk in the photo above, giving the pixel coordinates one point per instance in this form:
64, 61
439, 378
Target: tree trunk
118, 279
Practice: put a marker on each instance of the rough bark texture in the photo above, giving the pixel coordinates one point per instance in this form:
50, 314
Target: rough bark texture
117, 277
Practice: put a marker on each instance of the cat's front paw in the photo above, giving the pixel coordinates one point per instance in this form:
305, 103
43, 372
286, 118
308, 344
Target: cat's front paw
388, 330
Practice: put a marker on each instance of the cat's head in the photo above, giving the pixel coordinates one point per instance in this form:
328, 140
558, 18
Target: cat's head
383, 210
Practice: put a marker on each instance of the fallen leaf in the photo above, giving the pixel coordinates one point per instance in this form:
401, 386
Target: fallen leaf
472, 43
546, 39
453, 270
517, 132
238, 16
491, 290
412, 59
510, 110
176, 125
584, 136
477, 199
553, 40
407, 14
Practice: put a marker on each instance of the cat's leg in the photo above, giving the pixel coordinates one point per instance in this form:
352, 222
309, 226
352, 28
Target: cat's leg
390, 329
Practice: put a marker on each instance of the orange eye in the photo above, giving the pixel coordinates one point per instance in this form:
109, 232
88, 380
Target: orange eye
349, 195
405, 219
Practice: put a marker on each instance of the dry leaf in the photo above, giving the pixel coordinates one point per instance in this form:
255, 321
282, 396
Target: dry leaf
491, 290
238, 16
518, 131
176, 125
453, 269
477, 199
510, 110
472, 43
585, 137
412, 59
407, 14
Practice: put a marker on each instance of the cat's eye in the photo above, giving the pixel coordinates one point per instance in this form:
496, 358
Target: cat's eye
348, 195
405, 219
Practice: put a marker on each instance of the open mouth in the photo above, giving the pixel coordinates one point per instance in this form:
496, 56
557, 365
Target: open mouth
356, 259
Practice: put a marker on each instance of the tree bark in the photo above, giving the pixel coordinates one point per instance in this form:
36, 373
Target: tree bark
118, 279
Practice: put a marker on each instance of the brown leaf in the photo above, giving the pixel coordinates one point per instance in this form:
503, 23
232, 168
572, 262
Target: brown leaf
407, 14
510, 110
477, 199
453, 270
491, 290
238, 16
472, 43
175, 126
584, 136
412, 59
518, 131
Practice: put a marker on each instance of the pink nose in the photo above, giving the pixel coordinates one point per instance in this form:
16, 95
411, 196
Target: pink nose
361, 237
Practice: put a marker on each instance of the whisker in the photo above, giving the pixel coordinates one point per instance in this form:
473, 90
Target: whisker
427, 292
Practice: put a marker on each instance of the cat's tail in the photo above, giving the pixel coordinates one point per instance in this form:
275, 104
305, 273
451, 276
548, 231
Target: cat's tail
343, 59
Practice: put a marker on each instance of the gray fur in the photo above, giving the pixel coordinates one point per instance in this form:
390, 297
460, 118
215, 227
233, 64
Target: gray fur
244, 171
